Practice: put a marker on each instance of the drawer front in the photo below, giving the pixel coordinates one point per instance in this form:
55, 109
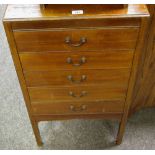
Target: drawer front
79, 77
77, 108
78, 93
75, 60
76, 39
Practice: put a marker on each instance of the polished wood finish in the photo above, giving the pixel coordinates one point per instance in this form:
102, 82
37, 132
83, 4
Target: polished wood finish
77, 23
93, 60
59, 108
136, 60
108, 116
33, 12
19, 71
43, 40
86, 7
107, 50
144, 91
92, 93
61, 77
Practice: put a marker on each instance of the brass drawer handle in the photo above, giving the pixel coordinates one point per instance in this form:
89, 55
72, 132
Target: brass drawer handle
70, 78
83, 93
81, 61
76, 109
82, 41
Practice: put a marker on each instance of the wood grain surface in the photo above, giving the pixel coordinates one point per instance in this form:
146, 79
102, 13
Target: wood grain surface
59, 108
110, 42
93, 60
144, 91
96, 39
61, 77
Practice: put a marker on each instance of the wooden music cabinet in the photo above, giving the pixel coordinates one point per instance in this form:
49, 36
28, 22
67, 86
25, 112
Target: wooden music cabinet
76, 61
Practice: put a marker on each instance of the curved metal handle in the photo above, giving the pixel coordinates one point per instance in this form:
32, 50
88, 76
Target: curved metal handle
82, 41
76, 109
83, 93
81, 61
70, 78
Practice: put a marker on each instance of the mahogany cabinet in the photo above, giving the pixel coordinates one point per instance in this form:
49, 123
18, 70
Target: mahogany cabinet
77, 61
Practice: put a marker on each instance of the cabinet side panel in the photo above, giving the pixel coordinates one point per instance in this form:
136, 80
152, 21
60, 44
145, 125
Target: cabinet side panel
15, 56
145, 85
136, 60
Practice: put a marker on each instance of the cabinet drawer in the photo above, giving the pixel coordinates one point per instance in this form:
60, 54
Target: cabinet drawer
79, 77
75, 60
77, 108
78, 93
76, 39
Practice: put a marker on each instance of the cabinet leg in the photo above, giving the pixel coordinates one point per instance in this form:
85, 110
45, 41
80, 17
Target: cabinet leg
121, 130
36, 132
119, 135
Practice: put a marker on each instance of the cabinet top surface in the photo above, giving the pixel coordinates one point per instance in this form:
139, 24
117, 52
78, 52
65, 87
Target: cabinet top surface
34, 12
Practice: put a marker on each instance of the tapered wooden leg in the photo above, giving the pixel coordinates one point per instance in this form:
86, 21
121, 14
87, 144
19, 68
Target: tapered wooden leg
36, 132
121, 129
119, 134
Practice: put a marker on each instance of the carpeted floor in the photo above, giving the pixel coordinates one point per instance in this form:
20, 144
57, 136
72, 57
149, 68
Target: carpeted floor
16, 131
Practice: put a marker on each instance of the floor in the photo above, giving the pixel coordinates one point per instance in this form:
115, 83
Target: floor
16, 131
